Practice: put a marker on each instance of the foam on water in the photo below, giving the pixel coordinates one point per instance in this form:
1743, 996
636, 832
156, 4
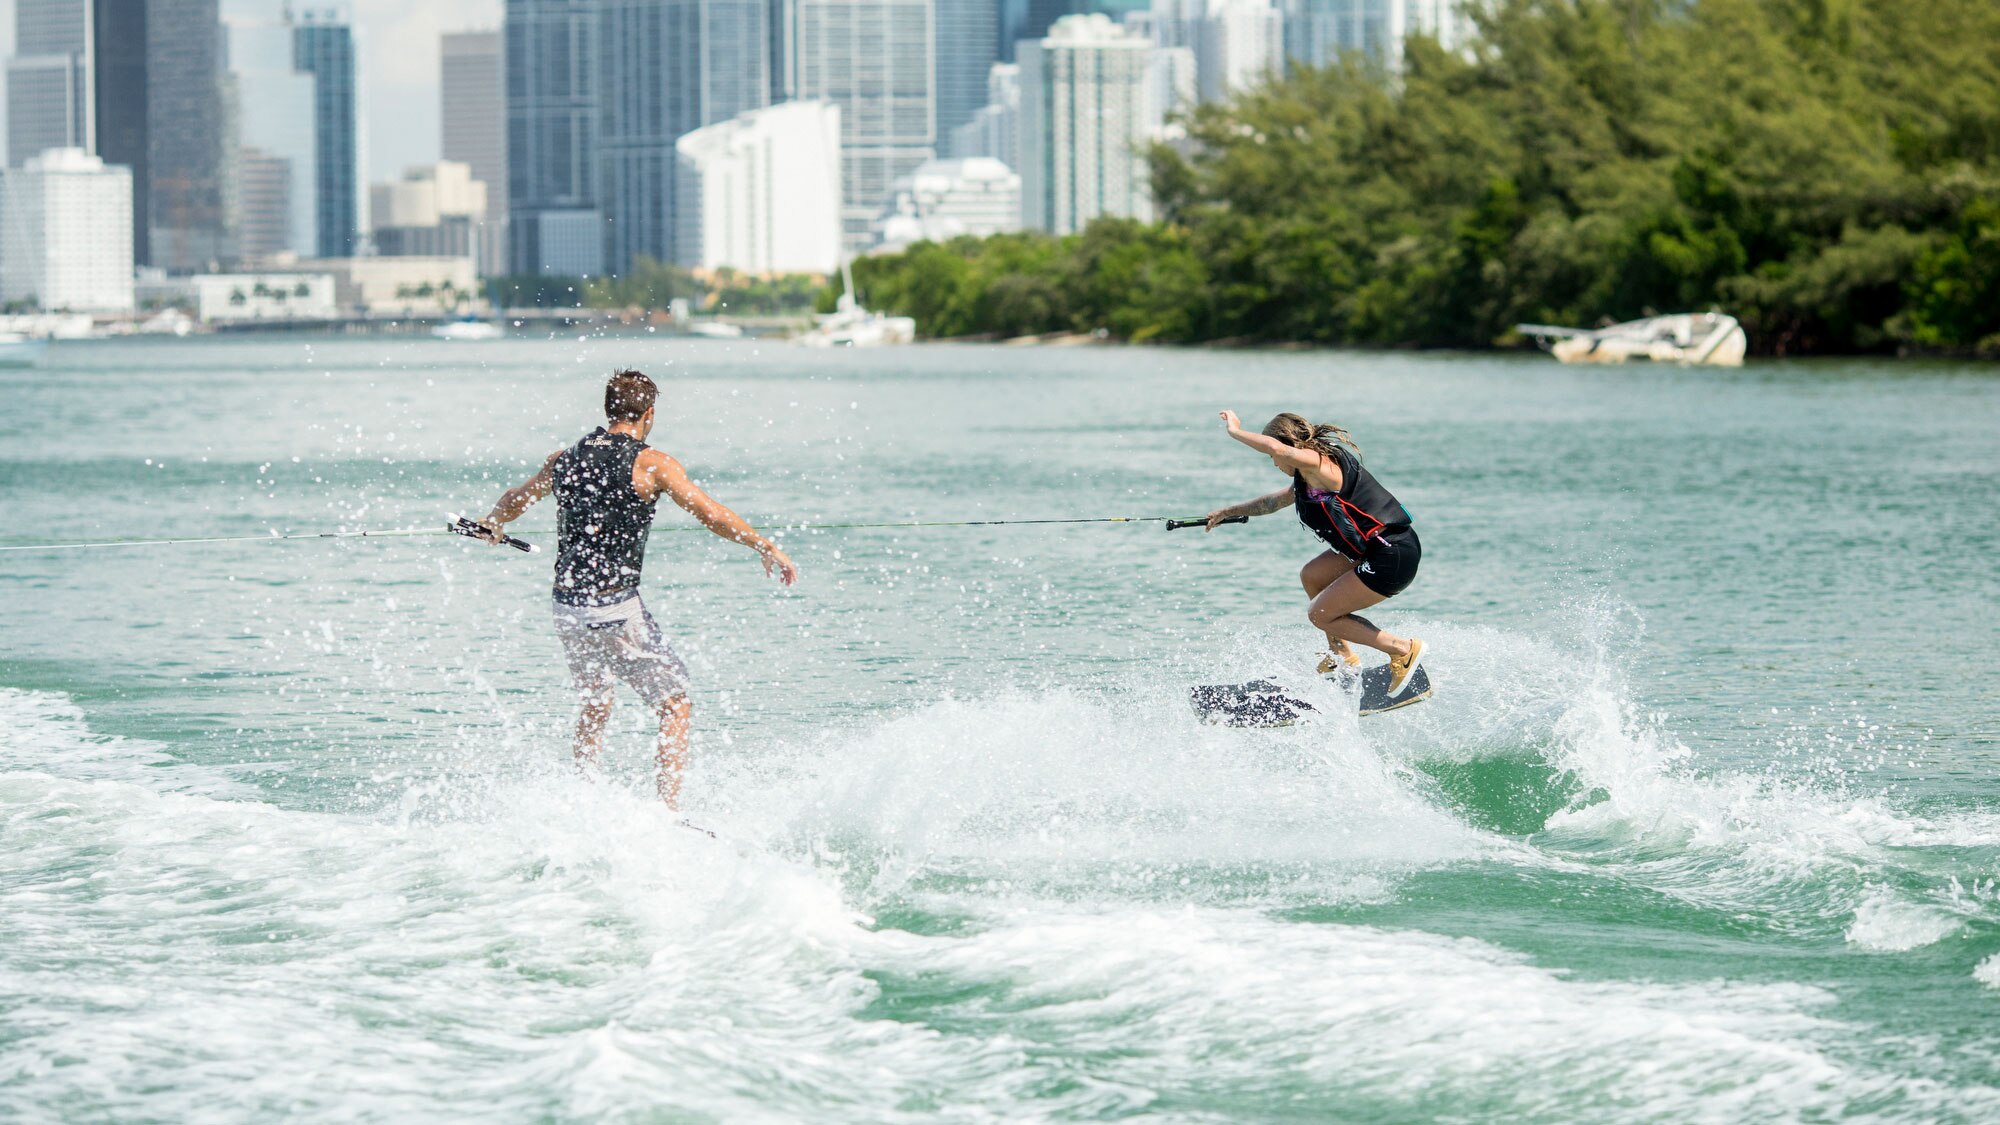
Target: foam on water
1110, 892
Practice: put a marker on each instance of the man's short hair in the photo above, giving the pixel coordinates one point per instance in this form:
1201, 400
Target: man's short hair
628, 396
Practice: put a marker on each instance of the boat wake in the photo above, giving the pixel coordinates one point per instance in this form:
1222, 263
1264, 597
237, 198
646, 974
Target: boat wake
1038, 903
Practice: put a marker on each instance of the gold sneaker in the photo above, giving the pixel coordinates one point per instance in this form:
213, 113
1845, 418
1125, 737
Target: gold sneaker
1346, 660
1400, 667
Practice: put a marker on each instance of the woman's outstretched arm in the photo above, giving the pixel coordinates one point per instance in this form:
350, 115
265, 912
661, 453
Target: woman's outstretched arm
1270, 446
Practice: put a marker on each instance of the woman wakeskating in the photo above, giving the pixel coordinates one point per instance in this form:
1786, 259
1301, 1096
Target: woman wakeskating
1374, 549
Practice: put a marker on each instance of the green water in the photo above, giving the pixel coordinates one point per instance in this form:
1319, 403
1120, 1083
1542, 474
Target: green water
1701, 824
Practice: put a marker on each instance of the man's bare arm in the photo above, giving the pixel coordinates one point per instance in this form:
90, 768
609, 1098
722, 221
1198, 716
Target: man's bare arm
516, 500
668, 478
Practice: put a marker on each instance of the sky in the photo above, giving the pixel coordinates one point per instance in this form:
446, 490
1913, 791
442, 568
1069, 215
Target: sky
399, 59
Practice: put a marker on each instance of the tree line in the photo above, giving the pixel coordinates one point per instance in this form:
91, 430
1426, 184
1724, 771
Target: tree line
1826, 170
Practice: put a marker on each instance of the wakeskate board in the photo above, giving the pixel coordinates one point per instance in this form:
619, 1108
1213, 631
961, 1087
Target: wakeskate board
1262, 703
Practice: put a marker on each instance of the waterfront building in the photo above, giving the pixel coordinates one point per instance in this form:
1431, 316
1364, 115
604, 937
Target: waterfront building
944, 199
1317, 32
277, 157
472, 116
393, 287
1238, 44
1086, 119
760, 193
554, 225
190, 138
66, 233
438, 210
49, 79
669, 67
991, 131
874, 59
323, 45
118, 82
968, 44
235, 297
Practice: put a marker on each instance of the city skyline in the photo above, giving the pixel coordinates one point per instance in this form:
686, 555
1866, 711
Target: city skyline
400, 69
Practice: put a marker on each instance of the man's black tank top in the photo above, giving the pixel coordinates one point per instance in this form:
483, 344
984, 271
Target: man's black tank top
601, 524
1347, 520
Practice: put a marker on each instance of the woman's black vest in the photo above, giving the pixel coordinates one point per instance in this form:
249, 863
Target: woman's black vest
1362, 510
601, 524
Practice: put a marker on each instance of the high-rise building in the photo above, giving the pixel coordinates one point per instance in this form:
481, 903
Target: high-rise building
323, 45
874, 59
49, 81
669, 67
118, 79
473, 118
190, 138
1238, 44
66, 233
276, 129
1318, 31
968, 44
1086, 119
761, 192
554, 225
991, 132
948, 198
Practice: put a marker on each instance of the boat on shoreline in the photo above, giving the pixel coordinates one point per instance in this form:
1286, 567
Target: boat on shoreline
851, 326
468, 328
1711, 338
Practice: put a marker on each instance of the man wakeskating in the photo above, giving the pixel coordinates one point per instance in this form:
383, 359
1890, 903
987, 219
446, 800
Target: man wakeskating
606, 486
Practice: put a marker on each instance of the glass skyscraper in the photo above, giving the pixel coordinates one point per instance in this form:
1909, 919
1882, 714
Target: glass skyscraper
190, 142
49, 87
668, 67
968, 44
874, 59
554, 226
118, 79
323, 46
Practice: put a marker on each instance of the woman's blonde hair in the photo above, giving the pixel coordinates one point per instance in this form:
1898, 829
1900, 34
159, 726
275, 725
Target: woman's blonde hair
1301, 434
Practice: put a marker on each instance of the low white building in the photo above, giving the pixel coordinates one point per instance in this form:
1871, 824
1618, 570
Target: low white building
761, 191
405, 286
232, 297
66, 233
947, 198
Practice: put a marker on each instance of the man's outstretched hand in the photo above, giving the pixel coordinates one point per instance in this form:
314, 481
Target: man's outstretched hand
778, 563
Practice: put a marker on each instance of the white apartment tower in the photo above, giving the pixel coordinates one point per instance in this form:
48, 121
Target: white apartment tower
760, 193
1238, 44
875, 60
944, 199
66, 233
1086, 119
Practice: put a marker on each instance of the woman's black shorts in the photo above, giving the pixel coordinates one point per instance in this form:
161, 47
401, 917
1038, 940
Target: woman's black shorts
1391, 562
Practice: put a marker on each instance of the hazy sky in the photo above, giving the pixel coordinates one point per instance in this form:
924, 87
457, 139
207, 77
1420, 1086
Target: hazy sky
399, 59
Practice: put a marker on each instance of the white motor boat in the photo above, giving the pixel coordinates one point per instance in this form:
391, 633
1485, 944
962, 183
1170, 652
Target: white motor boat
468, 328
715, 330
1710, 338
851, 326
18, 350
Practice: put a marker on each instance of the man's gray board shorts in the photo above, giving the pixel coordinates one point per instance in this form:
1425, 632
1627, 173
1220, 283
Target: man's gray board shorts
619, 641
